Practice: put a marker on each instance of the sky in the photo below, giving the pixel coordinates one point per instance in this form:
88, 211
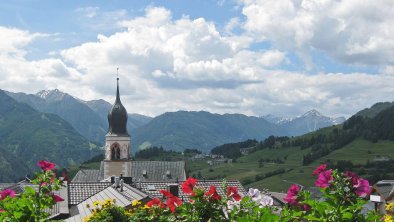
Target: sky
255, 57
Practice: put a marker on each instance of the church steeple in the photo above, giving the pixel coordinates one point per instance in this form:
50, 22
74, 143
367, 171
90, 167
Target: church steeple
117, 116
117, 91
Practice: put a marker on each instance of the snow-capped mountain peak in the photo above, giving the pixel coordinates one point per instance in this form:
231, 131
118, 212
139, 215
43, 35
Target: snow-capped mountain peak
312, 112
276, 119
52, 95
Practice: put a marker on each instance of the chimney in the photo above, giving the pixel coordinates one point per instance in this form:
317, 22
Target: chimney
121, 185
117, 182
173, 189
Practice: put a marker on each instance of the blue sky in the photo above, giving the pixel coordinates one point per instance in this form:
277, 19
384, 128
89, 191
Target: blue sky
252, 57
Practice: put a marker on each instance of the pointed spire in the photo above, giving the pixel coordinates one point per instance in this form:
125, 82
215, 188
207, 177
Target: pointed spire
117, 116
117, 91
117, 86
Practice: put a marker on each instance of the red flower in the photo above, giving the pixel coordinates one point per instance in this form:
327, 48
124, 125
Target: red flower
233, 192
166, 193
324, 179
46, 165
319, 169
291, 194
362, 188
188, 185
173, 203
352, 176
7, 192
212, 193
56, 198
155, 202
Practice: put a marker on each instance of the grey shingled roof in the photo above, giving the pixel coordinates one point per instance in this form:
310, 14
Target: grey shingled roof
87, 176
205, 184
123, 199
80, 191
278, 198
157, 170
385, 188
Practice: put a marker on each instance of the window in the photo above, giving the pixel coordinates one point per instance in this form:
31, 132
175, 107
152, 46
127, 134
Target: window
115, 152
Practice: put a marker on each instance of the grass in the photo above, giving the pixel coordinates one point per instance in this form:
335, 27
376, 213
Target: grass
247, 167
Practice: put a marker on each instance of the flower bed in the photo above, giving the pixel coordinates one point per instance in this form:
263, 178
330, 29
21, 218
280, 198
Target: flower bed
343, 197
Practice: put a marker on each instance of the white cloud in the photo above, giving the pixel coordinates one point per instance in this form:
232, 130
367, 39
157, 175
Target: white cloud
182, 51
168, 65
351, 31
12, 41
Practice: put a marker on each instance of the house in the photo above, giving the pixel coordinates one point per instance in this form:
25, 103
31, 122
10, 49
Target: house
383, 192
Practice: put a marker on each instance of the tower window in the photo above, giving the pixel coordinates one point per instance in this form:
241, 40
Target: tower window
115, 152
118, 153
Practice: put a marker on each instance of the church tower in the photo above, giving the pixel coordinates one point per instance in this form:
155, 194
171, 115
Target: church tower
117, 141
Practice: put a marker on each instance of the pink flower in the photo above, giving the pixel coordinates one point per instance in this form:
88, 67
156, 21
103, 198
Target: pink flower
188, 185
353, 177
233, 192
291, 194
319, 169
324, 179
44, 184
56, 198
362, 188
7, 192
305, 207
46, 165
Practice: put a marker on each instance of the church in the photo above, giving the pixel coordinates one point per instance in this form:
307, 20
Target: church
120, 178
117, 160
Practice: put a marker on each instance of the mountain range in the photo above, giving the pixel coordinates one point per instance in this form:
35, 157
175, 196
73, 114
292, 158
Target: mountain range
308, 122
28, 136
89, 118
172, 130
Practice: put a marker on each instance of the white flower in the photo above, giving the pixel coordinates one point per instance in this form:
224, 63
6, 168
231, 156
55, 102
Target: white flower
259, 198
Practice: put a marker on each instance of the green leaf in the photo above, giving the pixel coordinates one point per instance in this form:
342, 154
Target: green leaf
30, 190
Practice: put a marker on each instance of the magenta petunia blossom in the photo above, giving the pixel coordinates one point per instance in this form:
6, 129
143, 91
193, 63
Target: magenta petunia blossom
7, 192
319, 169
352, 176
324, 179
291, 194
362, 188
46, 165
57, 198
